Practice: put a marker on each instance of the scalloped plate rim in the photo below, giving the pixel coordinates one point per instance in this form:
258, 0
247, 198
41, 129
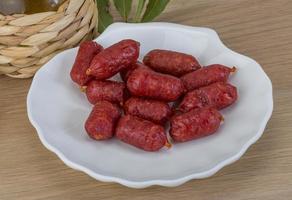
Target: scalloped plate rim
171, 182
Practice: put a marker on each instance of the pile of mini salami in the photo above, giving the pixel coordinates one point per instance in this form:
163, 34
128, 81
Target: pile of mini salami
146, 91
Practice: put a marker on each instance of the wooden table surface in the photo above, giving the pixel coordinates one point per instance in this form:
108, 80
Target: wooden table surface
261, 29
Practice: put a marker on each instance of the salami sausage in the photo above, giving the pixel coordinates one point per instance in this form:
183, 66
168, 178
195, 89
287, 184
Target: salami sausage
113, 59
105, 90
206, 76
171, 62
141, 133
102, 120
86, 53
152, 110
144, 82
125, 73
218, 95
195, 124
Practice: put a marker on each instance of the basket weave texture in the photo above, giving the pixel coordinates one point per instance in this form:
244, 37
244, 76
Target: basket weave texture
29, 41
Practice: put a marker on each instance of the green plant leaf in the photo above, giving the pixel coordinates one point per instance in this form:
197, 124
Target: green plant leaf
139, 10
154, 8
124, 8
104, 17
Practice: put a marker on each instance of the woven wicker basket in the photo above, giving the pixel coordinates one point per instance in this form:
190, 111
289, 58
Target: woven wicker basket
29, 41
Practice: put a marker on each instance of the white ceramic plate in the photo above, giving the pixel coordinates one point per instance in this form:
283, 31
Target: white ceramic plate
57, 109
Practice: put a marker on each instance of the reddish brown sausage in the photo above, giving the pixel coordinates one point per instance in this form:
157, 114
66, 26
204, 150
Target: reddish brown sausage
141, 133
113, 59
195, 124
171, 62
102, 120
218, 95
153, 110
86, 53
105, 90
125, 73
206, 76
144, 82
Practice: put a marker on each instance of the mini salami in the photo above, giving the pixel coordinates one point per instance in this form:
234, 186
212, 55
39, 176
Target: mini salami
218, 95
86, 53
141, 133
101, 122
206, 76
125, 73
105, 90
144, 82
153, 110
113, 59
171, 62
195, 124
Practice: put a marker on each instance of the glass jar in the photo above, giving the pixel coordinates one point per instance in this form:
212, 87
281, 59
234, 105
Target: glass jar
8, 7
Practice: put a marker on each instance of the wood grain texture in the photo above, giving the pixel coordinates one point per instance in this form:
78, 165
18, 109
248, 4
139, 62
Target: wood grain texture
261, 29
